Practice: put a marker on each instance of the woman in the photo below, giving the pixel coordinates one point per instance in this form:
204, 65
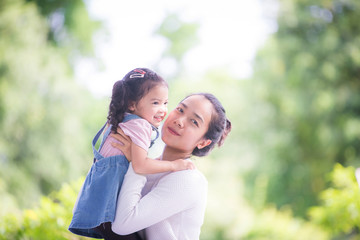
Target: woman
172, 205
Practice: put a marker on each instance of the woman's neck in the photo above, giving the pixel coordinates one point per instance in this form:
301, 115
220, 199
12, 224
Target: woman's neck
171, 154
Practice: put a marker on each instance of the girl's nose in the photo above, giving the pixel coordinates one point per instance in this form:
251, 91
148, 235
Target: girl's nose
163, 108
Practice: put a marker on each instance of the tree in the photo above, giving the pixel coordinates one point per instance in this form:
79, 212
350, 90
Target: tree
46, 119
339, 209
180, 38
307, 80
50, 220
69, 25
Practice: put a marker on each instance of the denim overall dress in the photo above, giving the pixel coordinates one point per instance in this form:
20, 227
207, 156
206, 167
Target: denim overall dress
97, 199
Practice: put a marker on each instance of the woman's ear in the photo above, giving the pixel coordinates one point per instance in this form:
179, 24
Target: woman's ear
203, 143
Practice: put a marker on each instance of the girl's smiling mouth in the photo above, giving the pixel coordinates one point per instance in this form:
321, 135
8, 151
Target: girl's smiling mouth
159, 118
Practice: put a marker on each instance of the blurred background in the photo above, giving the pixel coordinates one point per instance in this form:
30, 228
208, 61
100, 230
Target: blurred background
286, 71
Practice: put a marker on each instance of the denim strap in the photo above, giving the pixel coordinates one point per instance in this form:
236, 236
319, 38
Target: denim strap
127, 117
157, 135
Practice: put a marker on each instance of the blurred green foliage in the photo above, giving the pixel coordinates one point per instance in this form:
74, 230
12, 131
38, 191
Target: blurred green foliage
295, 119
339, 211
337, 216
306, 83
69, 25
48, 221
180, 38
43, 111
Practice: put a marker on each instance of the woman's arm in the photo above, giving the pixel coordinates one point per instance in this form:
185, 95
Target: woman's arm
174, 193
125, 148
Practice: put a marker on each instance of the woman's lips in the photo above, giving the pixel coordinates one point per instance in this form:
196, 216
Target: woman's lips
173, 132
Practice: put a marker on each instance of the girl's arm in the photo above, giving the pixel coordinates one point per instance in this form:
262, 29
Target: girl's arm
135, 212
144, 165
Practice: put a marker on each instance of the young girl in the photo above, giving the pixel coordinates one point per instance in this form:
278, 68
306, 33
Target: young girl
138, 106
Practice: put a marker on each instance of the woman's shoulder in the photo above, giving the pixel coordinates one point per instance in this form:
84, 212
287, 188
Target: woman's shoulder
189, 183
189, 177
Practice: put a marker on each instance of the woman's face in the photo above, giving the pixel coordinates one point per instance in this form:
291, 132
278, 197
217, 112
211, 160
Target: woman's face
186, 125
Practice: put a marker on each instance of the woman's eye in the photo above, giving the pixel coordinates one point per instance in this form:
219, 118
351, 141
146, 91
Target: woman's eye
195, 122
180, 109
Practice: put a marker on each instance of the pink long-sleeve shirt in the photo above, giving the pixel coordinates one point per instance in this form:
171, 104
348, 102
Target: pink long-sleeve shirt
139, 130
167, 205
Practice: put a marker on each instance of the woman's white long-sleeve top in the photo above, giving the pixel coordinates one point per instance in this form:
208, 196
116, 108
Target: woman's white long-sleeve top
167, 205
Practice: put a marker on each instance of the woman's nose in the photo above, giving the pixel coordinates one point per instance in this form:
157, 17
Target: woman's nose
179, 122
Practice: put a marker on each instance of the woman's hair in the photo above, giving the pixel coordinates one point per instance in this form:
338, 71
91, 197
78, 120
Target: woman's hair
134, 86
219, 126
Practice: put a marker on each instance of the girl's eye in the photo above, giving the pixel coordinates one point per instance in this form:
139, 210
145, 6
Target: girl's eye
155, 103
165, 103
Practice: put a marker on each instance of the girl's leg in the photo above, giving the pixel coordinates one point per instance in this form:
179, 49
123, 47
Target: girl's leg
108, 234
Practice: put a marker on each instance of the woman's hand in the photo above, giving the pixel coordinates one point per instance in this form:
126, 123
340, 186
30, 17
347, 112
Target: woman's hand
125, 140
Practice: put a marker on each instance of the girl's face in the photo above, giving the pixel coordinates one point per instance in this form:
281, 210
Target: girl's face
186, 125
153, 106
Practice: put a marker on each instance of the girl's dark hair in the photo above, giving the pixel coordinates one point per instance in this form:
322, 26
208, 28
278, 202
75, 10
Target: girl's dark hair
134, 86
219, 126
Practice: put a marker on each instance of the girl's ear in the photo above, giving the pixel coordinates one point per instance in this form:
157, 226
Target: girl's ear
203, 143
131, 106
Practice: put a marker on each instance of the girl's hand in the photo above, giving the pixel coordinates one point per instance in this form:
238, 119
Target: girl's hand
125, 147
182, 164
